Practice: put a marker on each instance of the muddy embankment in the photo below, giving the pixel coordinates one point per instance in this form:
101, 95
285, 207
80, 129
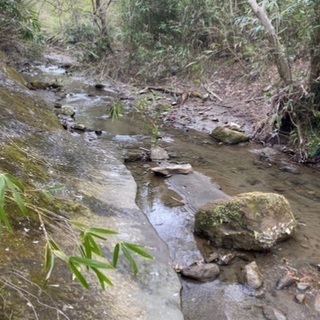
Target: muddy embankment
97, 189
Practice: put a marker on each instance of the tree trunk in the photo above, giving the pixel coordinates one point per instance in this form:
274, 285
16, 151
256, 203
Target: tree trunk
278, 50
314, 76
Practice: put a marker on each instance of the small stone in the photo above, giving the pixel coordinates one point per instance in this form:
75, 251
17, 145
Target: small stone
300, 297
289, 169
303, 285
204, 272
170, 169
79, 126
158, 153
212, 257
285, 281
253, 275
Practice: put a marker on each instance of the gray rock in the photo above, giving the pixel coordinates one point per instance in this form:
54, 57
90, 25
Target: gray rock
66, 110
303, 285
250, 221
285, 281
170, 169
79, 126
300, 297
133, 155
203, 272
273, 314
158, 153
229, 136
253, 275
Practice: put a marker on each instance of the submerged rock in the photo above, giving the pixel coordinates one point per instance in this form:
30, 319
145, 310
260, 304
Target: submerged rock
249, 221
203, 272
228, 136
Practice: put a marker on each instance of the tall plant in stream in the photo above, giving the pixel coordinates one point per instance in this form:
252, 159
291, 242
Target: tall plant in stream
87, 253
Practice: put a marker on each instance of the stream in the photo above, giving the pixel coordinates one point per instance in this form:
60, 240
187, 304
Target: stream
170, 203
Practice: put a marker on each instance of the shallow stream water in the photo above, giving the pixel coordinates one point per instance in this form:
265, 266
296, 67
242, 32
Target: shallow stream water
236, 169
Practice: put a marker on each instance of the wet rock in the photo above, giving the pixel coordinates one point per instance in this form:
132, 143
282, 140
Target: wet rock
300, 297
253, 275
229, 136
285, 281
133, 155
290, 169
99, 86
66, 110
213, 257
273, 314
226, 259
158, 153
203, 272
79, 126
249, 221
170, 169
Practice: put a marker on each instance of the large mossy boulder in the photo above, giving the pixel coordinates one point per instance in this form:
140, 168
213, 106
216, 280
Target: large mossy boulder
249, 221
228, 136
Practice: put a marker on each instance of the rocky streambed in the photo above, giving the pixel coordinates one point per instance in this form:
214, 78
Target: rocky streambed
93, 149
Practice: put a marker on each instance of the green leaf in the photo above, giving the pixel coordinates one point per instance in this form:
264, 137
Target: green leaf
78, 275
79, 224
61, 255
49, 261
90, 263
129, 258
115, 255
3, 215
87, 247
13, 187
94, 247
102, 278
102, 230
137, 249
53, 245
14, 181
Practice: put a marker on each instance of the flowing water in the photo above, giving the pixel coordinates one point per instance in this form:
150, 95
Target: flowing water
235, 169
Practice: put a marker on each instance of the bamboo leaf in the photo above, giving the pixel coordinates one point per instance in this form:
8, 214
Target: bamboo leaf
102, 231
129, 258
87, 247
115, 255
17, 197
49, 261
94, 247
3, 215
90, 263
61, 255
102, 278
14, 181
53, 245
137, 249
78, 275
79, 224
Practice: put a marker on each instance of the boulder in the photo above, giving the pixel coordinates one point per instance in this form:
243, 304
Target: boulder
228, 136
170, 169
249, 221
